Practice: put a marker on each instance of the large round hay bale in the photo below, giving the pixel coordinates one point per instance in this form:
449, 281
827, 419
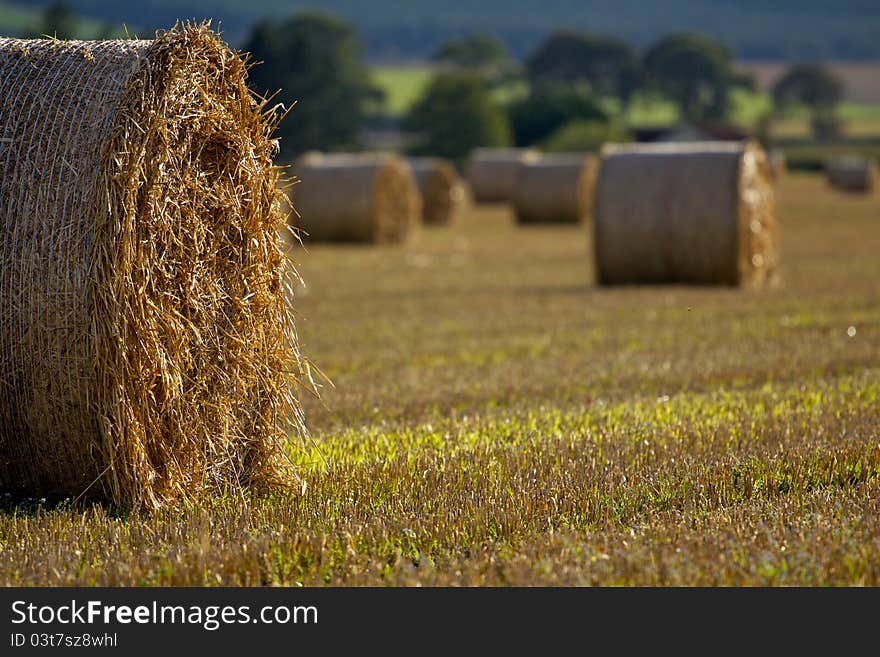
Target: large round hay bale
852, 173
557, 188
441, 188
700, 212
354, 197
147, 350
491, 172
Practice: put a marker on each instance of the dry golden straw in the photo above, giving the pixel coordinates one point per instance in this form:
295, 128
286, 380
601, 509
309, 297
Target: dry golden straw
441, 189
700, 212
557, 188
354, 197
491, 172
147, 348
852, 173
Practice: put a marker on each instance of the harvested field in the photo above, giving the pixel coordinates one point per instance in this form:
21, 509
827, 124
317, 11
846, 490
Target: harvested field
499, 419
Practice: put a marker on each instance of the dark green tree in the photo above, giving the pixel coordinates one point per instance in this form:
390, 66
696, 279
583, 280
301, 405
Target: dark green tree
808, 84
455, 114
314, 60
694, 71
610, 66
59, 21
815, 86
547, 108
476, 52
480, 53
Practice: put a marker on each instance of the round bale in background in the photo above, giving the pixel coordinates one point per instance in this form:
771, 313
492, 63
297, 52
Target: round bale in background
778, 164
557, 188
852, 173
491, 172
147, 350
697, 212
354, 197
441, 188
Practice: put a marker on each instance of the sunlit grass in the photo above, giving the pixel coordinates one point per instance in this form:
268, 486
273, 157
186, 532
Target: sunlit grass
497, 419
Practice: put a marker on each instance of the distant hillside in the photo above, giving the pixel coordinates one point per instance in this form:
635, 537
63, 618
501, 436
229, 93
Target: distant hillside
410, 29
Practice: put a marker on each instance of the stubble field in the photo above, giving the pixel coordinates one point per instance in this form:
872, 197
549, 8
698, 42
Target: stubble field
497, 419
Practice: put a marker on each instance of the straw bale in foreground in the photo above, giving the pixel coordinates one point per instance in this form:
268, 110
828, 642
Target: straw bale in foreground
147, 349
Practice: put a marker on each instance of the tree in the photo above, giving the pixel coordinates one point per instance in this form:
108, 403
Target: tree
480, 53
694, 71
816, 87
812, 85
475, 52
314, 60
456, 114
610, 66
59, 21
548, 108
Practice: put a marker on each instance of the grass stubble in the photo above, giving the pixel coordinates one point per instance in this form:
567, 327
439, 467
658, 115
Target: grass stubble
515, 425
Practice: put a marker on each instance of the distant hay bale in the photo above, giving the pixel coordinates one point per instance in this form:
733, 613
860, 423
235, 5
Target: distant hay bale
491, 172
778, 165
700, 212
557, 188
852, 173
441, 188
354, 197
147, 349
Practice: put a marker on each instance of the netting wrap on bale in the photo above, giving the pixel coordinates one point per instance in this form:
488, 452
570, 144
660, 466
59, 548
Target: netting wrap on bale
852, 173
491, 172
441, 189
557, 188
147, 346
354, 197
701, 212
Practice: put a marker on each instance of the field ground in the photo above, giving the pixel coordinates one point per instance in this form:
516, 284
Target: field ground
497, 419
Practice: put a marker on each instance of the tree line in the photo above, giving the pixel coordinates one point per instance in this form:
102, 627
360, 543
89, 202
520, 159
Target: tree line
315, 60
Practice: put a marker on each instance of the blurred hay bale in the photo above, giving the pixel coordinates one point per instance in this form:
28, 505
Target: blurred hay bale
147, 348
778, 165
441, 188
354, 197
698, 212
491, 172
852, 173
557, 188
